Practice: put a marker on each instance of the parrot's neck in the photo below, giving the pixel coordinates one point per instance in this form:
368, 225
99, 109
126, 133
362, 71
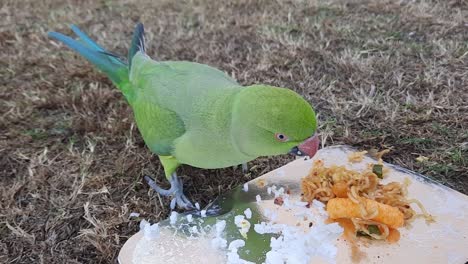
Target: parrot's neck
240, 135
228, 114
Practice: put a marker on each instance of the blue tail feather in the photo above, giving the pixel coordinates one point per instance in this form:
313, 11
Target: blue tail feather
92, 44
138, 43
86, 39
94, 53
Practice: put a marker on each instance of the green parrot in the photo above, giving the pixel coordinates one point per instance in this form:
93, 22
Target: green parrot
194, 114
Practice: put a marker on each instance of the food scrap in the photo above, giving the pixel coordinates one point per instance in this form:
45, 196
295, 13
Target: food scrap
378, 170
258, 198
382, 213
422, 159
248, 213
356, 156
279, 200
242, 224
359, 202
293, 245
261, 183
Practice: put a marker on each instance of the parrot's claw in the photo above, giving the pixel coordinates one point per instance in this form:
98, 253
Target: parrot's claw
177, 191
158, 189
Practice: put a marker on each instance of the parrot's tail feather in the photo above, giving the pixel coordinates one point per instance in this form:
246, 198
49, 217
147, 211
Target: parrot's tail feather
138, 43
86, 39
108, 53
109, 63
91, 44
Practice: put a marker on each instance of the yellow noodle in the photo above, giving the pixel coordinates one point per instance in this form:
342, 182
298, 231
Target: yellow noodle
361, 186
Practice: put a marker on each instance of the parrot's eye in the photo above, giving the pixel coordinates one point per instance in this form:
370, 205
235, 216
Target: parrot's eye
281, 137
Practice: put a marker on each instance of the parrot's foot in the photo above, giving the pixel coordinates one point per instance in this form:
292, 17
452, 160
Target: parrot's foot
245, 168
176, 190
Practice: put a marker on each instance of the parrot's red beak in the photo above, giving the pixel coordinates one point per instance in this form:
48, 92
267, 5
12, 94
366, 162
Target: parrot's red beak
310, 146
307, 148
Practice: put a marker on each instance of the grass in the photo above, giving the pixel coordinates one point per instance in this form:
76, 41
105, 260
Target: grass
381, 74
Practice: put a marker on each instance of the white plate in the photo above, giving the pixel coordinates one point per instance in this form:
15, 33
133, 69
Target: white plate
445, 241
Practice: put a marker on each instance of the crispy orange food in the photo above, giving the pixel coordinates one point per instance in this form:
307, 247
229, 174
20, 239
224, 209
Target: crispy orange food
340, 189
346, 208
375, 209
393, 236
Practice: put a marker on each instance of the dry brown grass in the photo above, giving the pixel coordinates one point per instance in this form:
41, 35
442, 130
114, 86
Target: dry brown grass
386, 74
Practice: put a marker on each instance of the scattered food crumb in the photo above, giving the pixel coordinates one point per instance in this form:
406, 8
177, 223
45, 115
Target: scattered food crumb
422, 159
173, 217
150, 231
261, 183
356, 156
233, 256
279, 201
143, 223
243, 225
246, 187
220, 226
133, 214
248, 213
189, 218
236, 244
258, 198
218, 241
277, 192
238, 219
294, 246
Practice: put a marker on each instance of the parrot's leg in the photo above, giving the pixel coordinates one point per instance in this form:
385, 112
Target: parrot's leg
170, 165
176, 190
245, 168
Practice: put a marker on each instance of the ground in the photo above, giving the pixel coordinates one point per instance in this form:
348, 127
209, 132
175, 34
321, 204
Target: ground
380, 74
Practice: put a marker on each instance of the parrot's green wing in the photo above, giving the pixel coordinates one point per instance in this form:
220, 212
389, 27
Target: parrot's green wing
183, 109
159, 126
175, 84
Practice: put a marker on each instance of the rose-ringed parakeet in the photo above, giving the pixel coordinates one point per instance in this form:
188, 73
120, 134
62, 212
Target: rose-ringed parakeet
191, 113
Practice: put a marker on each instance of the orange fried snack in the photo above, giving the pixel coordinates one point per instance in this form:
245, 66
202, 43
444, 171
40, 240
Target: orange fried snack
346, 208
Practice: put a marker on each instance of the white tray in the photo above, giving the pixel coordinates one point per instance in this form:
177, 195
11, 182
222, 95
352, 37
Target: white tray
445, 241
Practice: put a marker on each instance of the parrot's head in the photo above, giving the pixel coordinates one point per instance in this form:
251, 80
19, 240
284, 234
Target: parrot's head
270, 121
